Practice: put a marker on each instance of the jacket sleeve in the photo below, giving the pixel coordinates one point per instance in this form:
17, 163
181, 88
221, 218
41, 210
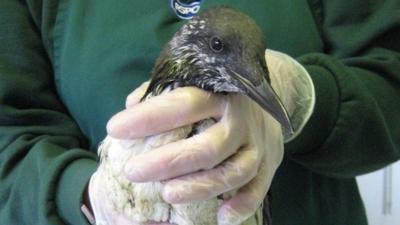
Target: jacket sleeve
355, 127
43, 167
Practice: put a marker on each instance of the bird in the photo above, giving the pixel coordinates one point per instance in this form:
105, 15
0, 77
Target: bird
220, 50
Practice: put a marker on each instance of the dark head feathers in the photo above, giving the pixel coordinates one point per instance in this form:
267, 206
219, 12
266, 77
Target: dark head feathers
219, 50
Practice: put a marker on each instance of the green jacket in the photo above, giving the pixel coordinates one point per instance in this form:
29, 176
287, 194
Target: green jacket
67, 66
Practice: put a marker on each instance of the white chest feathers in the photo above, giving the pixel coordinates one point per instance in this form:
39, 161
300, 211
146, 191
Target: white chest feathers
142, 202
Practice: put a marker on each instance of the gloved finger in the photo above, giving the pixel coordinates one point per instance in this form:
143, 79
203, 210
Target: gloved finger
202, 151
235, 172
165, 112
134, 97
247, 200
95, 196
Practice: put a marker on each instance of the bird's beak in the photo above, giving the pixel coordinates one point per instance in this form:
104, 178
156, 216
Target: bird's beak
265, 96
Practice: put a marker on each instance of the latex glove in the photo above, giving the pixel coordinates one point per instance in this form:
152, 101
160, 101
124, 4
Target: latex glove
240, 152
294, 86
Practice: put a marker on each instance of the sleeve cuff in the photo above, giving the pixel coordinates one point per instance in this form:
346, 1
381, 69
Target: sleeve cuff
70, 190
323, 119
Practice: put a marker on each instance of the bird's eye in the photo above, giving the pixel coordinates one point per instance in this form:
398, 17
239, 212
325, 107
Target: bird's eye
216, 44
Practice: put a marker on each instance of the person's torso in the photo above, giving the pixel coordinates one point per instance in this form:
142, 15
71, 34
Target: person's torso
106, 49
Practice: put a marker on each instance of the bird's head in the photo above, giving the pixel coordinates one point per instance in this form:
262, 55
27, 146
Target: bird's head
220, 50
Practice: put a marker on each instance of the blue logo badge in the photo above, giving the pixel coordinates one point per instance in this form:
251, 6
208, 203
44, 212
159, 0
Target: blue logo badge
185, 11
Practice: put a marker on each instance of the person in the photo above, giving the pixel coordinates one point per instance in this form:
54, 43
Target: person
66, 67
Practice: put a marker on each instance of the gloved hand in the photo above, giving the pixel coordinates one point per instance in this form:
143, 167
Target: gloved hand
239, 153
294, 86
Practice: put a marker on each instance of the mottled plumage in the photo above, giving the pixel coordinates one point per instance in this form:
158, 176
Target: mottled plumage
191, 59
222, 51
